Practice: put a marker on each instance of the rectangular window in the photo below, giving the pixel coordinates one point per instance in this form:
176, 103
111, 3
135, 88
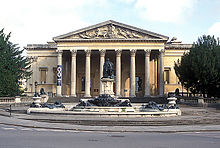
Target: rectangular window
83, 83
54, 75
167, 76
43, 75
138, 84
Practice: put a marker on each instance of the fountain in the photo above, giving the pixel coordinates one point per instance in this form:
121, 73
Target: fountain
106, 101
107, 105
38, 99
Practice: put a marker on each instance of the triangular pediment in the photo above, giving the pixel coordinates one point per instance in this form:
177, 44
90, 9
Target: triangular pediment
110, 30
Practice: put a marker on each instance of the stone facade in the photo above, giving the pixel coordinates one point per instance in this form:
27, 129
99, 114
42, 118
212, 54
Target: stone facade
72, 65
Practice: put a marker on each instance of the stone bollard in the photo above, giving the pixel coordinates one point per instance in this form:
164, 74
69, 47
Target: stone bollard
172, 101
201, 101
17, 99
37, 101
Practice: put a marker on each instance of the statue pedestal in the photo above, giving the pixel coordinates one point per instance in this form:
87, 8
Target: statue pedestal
107, 86
37, 101
172, 101
44, 98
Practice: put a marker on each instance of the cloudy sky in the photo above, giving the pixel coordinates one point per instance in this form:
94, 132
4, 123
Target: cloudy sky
38, 21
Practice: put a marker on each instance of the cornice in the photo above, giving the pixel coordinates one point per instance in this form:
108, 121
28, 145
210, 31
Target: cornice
41, 46
178, 46
111, 40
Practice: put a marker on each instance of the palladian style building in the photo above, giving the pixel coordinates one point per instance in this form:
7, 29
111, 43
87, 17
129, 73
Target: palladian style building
72, 65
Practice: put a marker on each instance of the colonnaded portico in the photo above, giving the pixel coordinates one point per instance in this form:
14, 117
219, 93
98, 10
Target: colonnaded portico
99, 56
72, 65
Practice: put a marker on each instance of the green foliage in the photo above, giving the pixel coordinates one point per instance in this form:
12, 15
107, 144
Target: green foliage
13, 67
199, 70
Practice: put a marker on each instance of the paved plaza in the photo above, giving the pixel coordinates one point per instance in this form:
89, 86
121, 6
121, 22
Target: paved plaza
46, 138
193, 119
198, 127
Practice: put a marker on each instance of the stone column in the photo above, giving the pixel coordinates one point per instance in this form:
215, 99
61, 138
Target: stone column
102, 61
132, 73
87, 81
34, 75
28, 82
118, 73
73, 73
155, 70
147, 72
161, 76
59, 72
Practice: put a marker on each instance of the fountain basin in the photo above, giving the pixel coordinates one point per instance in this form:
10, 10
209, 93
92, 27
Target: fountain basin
107, 111
102, 109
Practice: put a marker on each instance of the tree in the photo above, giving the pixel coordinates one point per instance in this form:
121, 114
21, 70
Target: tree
199, 69
13, 67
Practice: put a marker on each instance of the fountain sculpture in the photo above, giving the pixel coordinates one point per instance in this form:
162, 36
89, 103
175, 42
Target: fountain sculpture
106, 104
107, 99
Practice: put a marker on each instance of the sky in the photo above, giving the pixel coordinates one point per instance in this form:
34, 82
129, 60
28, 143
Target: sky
38, 21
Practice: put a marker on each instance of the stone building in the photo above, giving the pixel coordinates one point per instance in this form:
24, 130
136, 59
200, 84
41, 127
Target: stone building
72, 64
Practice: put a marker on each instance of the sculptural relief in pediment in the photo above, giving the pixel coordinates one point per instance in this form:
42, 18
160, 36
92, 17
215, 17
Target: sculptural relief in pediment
110, 32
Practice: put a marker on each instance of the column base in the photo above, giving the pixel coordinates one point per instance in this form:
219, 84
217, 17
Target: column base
117, 96
162, 95
87, 96
59, 91
73, 95
147, 96
132, 96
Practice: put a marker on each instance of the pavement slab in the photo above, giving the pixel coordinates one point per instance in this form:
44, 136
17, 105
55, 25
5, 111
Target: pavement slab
193, 119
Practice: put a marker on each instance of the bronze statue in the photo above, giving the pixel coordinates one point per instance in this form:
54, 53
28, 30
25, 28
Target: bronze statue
42, 92
108, 70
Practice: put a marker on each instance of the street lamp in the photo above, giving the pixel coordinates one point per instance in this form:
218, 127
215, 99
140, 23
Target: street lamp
182, 88
35, 84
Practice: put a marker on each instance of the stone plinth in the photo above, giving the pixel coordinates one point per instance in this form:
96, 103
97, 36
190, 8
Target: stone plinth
107, 85
44, 98
17, 99
106, 112
172, 101
37, 101
103, 109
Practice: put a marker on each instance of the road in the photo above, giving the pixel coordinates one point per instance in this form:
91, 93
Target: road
20, 137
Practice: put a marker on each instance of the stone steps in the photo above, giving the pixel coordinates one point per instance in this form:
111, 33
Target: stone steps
130, 122
158, 100
64, 99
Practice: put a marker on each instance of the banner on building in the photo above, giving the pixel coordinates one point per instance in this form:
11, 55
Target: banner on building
59, 75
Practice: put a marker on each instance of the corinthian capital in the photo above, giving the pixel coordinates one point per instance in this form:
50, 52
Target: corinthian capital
147, 52
133, 52
162, 51
118, 52
59, 52
73, 52
88, 52
102, 52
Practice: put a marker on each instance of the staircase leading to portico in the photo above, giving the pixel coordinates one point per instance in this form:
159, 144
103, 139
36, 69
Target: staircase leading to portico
158, 100
64, 99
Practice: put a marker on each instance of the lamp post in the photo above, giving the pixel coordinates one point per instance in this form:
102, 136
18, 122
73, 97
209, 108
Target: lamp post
182, 88
35, 84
